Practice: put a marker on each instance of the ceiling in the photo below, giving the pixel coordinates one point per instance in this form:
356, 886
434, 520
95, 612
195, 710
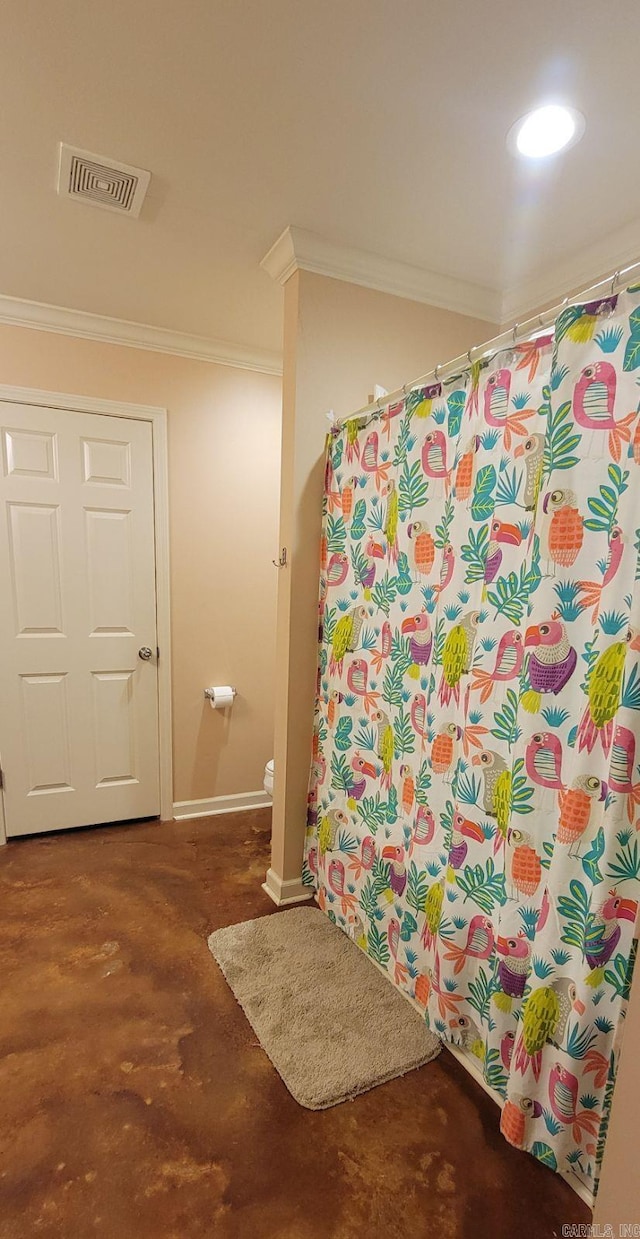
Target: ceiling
378, 124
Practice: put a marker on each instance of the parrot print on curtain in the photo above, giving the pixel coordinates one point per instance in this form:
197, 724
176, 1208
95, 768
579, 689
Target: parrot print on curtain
475, 789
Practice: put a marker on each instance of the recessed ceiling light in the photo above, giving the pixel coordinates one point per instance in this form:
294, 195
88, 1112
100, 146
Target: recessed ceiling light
546, 131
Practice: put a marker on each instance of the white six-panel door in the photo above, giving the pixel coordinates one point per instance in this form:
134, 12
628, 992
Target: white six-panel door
78, 705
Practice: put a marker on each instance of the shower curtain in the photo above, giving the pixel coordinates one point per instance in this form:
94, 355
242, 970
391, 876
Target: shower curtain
474, 796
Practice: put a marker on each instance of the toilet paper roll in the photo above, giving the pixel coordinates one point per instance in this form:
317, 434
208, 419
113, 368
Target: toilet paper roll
221, 697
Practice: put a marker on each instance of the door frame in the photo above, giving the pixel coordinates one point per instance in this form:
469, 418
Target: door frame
158, 419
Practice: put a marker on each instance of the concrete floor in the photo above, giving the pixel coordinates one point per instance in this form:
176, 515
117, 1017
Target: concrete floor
135, 1102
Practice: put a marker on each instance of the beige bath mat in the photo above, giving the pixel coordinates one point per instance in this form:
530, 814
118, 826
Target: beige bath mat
331, 1023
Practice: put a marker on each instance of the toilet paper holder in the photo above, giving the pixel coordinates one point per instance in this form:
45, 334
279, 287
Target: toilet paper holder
211, 692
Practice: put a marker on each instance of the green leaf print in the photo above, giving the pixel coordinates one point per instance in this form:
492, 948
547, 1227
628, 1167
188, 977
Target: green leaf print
423, 783
574, 910
544, 1154
329, 621
509, 483
632, 353
455, 405
561, 440
336, 534
494, 1072
409, 927
401, 653
483, 885
441, 538
579, 1041
340, 774
619, 976
626, 866
359, 564
346, 842
380, 872
511, 595
405, 736
356, 529
480, 994
417, 887
604, 507
632, 348
308, 878
369, 900
482, 502
384, 593
535, 574
630, 698
467, 787
446, 822
591, 858
404, 581
546, 854
373, 811
506, 720
474, 553
392, 686
412, 488
403, 443
342, 739
439, 638
521, 791
377, 946
366, 737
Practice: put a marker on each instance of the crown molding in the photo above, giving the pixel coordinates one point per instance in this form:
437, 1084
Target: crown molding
299, 250
18, 313
570, 276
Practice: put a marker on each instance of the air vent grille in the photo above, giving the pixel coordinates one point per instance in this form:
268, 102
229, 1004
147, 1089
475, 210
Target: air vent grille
101, 182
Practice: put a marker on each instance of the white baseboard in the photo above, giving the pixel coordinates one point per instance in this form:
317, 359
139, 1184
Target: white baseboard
221, 804
286, 891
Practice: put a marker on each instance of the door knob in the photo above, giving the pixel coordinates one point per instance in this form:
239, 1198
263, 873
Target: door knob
145, 653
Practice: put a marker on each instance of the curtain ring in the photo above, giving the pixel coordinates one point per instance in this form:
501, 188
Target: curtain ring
541, 320
435, 373
469, 352
614, 281
514, 333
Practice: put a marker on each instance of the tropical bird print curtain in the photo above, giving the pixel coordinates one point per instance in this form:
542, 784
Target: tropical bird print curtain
474, 797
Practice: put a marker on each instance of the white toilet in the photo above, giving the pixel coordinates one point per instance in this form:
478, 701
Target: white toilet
268, 778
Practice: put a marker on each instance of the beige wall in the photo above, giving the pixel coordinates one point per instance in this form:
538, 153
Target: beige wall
339, 340
224, 466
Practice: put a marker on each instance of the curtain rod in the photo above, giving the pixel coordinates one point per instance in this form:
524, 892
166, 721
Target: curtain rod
528, 327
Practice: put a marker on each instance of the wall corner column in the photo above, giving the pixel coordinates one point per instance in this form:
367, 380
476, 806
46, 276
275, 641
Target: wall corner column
297, 616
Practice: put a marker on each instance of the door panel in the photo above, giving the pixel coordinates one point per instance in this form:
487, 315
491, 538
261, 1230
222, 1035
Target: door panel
113, 736
106, 464
45, 722
30, 453
109, 570
34, 562
78, 708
